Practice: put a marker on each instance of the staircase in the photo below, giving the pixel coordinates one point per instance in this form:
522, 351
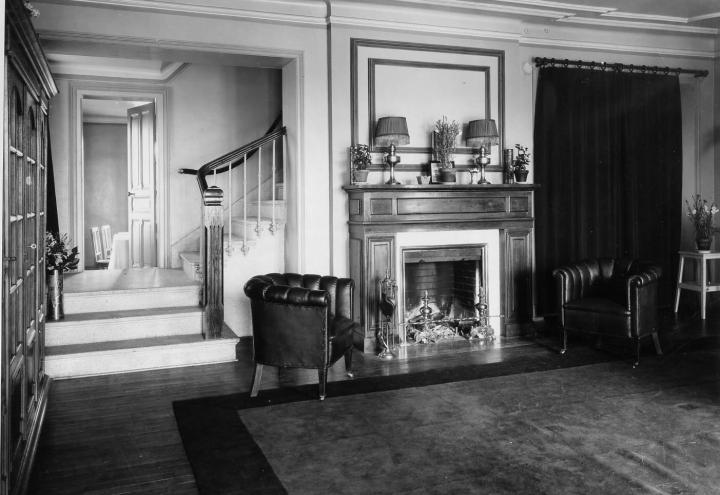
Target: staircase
130, 320
265, 253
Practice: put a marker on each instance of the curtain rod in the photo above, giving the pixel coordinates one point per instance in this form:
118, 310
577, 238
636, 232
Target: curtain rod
581, 64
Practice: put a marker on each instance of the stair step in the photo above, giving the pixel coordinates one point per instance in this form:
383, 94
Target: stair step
191, 264
84, 328
104, 358
266, 209
126, 299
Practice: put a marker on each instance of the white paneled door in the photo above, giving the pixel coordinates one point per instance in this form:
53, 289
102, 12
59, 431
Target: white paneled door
141, 185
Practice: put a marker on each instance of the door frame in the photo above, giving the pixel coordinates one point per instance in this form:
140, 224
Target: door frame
76, 165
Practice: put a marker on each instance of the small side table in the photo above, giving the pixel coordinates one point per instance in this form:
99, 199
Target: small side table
701, 283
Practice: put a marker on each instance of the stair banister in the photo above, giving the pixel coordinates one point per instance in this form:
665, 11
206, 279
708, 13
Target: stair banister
212, 259
212, 237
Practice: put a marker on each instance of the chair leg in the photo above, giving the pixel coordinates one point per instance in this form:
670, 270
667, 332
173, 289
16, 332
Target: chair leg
348, 363
257, 378
322, 381
564, 345
656, 340
637, 353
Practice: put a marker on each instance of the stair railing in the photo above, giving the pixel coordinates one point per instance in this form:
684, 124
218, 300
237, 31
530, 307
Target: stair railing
212, 239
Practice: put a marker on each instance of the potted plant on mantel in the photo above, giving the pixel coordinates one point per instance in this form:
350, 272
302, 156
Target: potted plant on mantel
522, 160
59, 258
359, 160
446, 134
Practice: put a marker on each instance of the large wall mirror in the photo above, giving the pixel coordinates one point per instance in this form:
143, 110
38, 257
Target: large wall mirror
423, 83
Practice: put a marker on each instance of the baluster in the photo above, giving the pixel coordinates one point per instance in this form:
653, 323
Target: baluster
272, 221
212, 262
284, 168
230, 248
258, 227
245, 247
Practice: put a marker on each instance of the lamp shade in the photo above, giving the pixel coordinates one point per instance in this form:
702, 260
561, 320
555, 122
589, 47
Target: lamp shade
391, 130
482, 132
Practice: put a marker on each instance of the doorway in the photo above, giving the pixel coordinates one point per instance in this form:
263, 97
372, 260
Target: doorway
106, 152
105, 190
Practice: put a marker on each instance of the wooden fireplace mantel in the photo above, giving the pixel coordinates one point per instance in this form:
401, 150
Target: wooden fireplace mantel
378, 212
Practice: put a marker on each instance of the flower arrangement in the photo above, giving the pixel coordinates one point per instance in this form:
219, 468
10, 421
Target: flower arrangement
446, 134
701, 215
360, 156
58, 256
522, 160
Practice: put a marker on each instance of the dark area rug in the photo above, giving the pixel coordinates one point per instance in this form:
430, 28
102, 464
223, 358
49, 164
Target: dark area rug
539, 424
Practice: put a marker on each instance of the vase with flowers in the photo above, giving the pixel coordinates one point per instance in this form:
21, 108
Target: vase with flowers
444, 145
701, 215
59, 258
522, 161
360, 159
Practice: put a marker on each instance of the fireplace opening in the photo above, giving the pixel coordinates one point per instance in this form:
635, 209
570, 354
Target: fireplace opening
449, 280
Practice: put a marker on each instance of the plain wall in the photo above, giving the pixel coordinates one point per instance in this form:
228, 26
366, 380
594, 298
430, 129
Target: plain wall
105, 157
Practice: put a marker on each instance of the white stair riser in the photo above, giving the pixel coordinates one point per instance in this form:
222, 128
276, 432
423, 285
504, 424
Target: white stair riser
165, 297
113, 329
140, 359
266, 210
191, 269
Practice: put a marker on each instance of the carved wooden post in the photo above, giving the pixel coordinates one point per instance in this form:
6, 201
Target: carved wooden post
212, 263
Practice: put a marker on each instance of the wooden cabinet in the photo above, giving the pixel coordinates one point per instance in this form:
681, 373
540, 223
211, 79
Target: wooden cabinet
28, 88
377, 213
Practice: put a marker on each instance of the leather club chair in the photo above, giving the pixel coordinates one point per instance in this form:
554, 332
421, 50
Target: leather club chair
301, 321
613, 297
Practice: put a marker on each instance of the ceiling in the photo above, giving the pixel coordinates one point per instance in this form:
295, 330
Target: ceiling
700, 17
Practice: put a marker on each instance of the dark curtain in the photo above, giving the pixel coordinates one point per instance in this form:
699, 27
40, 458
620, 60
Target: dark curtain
52, 224
608, 158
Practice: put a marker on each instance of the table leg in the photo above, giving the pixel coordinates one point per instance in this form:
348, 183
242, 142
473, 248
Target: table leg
703, 287
681, 264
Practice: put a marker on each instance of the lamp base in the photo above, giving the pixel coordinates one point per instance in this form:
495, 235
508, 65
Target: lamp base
483, 180
392, 181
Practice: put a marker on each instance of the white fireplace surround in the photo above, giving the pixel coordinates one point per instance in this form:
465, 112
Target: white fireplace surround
488, 237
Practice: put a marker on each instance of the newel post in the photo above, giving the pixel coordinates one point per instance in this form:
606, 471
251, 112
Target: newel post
212, 263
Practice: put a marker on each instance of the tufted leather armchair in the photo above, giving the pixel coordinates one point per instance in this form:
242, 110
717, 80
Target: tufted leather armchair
301, 321
615, 297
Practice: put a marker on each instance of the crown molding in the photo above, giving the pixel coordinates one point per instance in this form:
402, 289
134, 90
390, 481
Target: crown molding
285, 11
105, 67
617, 48
563, 6
646, 17
468, 5
653, 26
704, 17
353, 22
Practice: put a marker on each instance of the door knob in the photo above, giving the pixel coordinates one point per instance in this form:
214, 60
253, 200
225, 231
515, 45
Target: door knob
130, 193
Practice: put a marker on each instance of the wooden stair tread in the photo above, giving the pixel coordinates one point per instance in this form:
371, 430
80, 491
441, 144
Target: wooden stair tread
61, 350
127, 313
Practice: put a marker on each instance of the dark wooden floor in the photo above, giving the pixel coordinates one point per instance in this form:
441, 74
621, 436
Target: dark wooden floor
117, 434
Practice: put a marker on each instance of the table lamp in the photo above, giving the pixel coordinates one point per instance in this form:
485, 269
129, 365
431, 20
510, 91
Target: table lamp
391, 131
482, 134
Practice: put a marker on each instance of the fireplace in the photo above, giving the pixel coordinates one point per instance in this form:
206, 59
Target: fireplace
454, 268
465, 237
447, 279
